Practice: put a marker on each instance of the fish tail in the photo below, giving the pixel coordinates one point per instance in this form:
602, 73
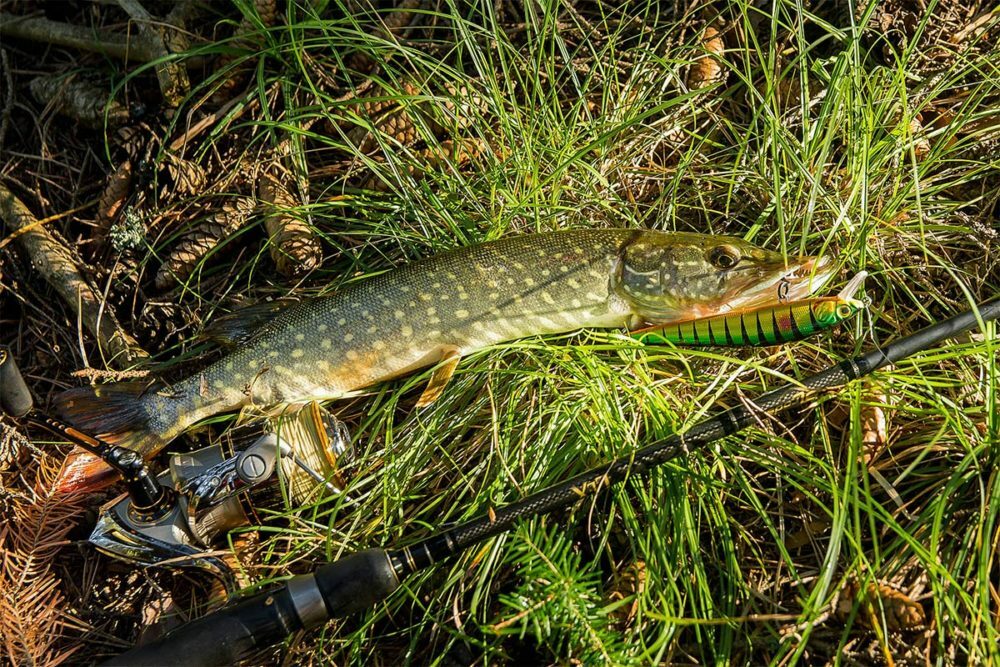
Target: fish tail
115, 413
82, 472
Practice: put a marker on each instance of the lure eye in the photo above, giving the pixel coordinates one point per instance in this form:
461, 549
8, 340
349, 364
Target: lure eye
724, 256
844, 311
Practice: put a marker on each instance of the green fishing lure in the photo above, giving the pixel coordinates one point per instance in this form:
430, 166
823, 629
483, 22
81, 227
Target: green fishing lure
765, 325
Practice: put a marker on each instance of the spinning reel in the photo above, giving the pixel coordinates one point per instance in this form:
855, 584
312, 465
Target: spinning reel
171, 519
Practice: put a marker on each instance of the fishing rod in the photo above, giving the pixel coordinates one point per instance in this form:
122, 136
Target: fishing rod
358, 581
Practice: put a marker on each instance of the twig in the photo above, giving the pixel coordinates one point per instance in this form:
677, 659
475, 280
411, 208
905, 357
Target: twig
8, 102
56, 264
172, 76
43, 221
97, 40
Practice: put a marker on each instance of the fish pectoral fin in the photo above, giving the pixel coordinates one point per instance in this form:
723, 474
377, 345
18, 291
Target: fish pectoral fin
441, 376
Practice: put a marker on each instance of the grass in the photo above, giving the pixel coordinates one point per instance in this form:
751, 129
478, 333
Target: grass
754, 550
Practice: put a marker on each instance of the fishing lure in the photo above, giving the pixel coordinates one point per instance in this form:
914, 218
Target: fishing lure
764, 325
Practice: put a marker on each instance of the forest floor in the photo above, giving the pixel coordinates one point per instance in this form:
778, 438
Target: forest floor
178, 161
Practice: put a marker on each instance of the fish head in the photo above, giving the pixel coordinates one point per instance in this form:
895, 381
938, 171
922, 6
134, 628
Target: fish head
670, 277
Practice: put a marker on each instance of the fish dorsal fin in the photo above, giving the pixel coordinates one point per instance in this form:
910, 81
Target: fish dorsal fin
241, 325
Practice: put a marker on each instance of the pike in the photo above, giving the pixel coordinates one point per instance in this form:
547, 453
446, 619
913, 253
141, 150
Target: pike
435, 311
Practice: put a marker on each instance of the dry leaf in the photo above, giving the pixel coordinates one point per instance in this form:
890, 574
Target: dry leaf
921, 144
707, 69
901, 613
809, 530
874, 427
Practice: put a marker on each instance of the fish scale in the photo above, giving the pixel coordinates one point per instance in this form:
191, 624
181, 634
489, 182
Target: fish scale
438, 309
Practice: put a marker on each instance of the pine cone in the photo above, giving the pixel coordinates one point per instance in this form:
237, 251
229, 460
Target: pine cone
396, 126
456, 153
401, 16
462, 107
188, 177
900, 611
707, 69
78, 99
267, 10
247, 38
293, 244
160, 322
394, 24
387, 116
116, 191
137, 141
372, 108
395, 121
191, 249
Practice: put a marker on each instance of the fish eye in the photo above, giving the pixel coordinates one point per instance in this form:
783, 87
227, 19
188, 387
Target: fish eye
724, 256
843, 310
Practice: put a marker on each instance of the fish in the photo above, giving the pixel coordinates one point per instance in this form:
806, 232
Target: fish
434, 311
770, 324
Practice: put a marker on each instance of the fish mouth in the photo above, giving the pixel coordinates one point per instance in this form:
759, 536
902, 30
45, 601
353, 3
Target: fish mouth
806, 276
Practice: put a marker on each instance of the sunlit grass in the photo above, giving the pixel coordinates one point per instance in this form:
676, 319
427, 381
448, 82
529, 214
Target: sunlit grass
747, 547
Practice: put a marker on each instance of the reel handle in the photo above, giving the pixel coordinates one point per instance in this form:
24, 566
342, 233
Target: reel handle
15, 399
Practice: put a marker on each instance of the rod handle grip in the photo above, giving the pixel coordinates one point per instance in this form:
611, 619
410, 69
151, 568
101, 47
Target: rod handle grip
224, 637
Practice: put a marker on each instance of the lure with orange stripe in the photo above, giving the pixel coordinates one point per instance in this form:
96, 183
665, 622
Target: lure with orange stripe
767, 325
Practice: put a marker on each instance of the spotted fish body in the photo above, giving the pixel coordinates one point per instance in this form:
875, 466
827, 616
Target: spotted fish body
436, 310
766, 325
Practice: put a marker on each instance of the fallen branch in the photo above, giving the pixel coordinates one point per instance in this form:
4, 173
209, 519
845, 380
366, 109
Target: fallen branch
97, 40
172, 76
56, 264
37, 29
